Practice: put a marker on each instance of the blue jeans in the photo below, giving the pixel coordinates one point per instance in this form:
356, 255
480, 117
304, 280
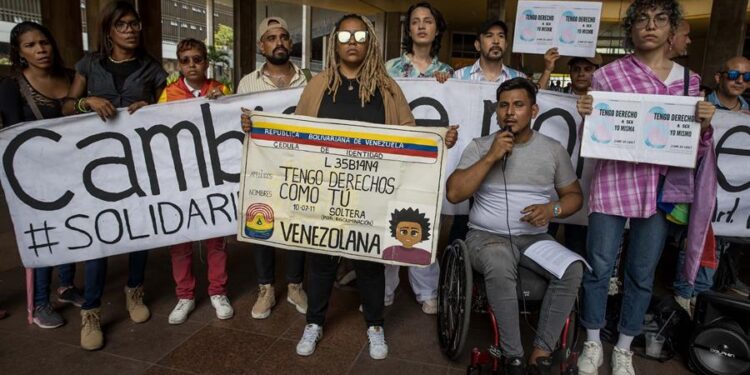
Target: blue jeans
647, 237
43, 277
704, 280
96, 275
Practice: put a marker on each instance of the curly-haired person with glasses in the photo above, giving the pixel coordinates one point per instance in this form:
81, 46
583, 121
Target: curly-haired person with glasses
623, 191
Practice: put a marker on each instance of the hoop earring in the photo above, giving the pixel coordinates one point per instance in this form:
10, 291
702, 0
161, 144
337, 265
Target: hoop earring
108, 44
23, 62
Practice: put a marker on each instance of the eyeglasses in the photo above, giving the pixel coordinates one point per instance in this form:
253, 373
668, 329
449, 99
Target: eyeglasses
185, 60
121, 26
733, 75
346, 36
660, 21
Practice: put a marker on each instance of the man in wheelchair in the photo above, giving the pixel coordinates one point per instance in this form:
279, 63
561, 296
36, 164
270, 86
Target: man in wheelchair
511, 175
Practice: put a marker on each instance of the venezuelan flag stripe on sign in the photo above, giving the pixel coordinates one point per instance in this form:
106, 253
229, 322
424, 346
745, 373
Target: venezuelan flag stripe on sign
373, 142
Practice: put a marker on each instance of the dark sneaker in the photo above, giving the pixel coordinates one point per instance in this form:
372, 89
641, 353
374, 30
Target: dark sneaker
46, 317
543, 366
71, 295
514, 366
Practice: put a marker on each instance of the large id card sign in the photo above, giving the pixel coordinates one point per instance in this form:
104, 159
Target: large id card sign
343, 188
571, 26
655, 129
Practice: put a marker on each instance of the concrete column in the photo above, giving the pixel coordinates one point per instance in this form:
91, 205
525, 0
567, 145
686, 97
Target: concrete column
306, 36
726, 33
66, 30
496, 9
505, 10
93, 7
150, 12
393, 33
210, 31
245, 41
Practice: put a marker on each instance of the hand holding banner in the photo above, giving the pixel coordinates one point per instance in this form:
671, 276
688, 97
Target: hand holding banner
572, 26
344, 188
655, 129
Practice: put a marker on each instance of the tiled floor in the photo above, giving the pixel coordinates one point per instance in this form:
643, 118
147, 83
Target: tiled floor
239, 345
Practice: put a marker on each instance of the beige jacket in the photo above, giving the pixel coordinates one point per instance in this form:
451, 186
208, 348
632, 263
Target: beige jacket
397, 111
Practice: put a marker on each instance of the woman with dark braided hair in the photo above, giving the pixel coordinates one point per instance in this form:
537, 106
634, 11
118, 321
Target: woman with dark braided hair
354, 86
35, 91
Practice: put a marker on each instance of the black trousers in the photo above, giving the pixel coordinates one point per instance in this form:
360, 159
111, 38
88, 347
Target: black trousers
265, 260
322, 274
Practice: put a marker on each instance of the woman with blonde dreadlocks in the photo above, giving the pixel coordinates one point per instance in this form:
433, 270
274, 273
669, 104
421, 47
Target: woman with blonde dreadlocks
354, 86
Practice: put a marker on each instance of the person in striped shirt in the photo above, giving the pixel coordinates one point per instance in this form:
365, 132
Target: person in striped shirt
491, 44
622, 191
275, 44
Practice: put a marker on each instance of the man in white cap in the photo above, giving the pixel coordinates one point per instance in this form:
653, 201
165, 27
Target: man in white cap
275, 44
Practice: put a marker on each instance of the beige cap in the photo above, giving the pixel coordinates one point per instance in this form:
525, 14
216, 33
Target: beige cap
271, 23
596, 60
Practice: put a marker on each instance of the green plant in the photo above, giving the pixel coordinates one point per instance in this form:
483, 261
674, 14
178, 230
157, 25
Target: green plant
224, 36
218, 56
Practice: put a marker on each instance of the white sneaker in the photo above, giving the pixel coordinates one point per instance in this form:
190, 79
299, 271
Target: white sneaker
224, 310
378, 347
180, 312
430, 306
622, 362
591, 358
306, 345
388, 300
685, 303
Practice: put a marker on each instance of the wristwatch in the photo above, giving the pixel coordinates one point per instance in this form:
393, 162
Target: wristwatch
556, 210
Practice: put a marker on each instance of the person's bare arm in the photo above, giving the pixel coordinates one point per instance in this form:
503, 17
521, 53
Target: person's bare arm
101, 106
571, 200
76, 90
463, 183
550, 58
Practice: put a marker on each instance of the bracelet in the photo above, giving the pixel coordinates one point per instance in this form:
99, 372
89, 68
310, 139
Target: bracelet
81, 106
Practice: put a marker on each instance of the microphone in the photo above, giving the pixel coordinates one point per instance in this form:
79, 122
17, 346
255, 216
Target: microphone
505, 128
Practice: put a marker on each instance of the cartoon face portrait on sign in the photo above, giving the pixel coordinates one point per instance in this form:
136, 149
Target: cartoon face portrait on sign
259, 221
409, 227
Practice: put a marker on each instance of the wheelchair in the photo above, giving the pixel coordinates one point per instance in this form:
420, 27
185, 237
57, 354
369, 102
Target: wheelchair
461, 292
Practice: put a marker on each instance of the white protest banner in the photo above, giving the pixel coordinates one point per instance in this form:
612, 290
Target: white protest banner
571, 26
656, 129
472, 105
79, 188
101, 189
344, 188
732, 143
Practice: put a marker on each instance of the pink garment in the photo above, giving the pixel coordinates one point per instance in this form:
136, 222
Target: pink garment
622, 188
182, 268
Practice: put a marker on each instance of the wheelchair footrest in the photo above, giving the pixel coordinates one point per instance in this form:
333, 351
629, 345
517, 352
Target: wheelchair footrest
495, 352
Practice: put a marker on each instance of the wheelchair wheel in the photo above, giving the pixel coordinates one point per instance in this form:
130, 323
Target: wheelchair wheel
454, 299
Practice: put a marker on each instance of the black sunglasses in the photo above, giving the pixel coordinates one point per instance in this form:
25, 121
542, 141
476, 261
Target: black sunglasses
734, 74
185, 60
